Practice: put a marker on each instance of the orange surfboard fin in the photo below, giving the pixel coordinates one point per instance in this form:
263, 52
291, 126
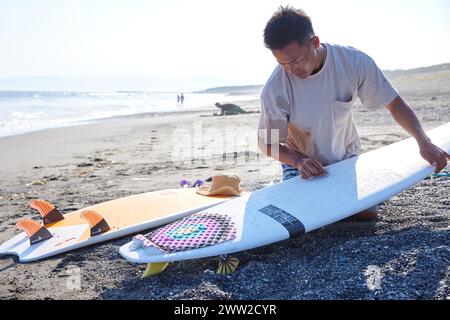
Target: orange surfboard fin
48, 211
96, 222
35, 231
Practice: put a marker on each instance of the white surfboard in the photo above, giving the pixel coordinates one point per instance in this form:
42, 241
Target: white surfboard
291, 208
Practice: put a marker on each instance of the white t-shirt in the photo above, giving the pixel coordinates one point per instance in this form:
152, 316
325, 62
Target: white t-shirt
313, 115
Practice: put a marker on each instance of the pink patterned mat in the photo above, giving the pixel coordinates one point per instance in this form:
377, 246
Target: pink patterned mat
196, 231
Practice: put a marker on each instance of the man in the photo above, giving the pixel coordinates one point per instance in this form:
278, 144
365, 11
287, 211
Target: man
309, 96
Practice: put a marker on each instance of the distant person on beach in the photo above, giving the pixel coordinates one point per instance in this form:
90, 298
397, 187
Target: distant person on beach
178, 98
309, 97
229, 109
182, 98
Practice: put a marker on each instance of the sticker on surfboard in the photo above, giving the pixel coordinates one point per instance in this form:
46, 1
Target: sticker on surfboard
193, 232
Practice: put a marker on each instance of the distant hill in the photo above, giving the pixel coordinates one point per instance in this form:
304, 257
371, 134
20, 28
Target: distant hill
251, 89
433, 80
398, 77
439, 68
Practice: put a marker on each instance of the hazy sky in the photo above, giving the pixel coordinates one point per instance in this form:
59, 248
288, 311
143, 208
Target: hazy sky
205, 38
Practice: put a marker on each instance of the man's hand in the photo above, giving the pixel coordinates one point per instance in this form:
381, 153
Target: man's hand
407, 119
434, 155
310, 168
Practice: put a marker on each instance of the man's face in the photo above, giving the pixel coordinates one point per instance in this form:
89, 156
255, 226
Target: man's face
297, 60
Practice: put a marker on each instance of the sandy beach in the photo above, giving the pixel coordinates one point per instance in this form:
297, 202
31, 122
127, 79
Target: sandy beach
407, 249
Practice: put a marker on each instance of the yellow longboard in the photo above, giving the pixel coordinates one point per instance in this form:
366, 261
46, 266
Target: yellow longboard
101, 222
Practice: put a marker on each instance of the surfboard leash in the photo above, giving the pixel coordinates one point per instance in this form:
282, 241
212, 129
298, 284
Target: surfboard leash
442, 174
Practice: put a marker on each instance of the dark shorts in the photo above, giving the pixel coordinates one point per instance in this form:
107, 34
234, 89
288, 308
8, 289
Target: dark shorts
289, 172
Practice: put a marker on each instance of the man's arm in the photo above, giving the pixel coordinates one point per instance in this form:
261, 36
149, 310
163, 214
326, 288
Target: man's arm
408, 120
308, 167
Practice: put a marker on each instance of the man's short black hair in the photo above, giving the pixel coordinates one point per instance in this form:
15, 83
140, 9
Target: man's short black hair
287, 25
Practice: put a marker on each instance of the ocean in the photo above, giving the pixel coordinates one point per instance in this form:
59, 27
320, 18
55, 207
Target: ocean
24, 111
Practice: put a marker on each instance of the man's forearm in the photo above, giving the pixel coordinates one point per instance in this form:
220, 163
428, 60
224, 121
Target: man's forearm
407, 119
281, 153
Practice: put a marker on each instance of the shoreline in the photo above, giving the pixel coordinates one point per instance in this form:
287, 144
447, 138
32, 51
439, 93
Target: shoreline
139, 115
118, 117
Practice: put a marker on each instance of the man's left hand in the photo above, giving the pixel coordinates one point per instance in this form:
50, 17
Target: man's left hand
434, 155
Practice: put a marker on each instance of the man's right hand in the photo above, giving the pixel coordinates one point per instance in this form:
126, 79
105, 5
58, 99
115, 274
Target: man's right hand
310, 168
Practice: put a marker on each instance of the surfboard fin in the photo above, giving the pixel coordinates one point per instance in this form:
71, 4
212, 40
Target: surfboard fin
154, 269
48, 211
97, 223
227, 265
35, 231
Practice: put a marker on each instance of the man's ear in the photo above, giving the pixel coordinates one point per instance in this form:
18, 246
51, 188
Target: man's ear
315, 42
